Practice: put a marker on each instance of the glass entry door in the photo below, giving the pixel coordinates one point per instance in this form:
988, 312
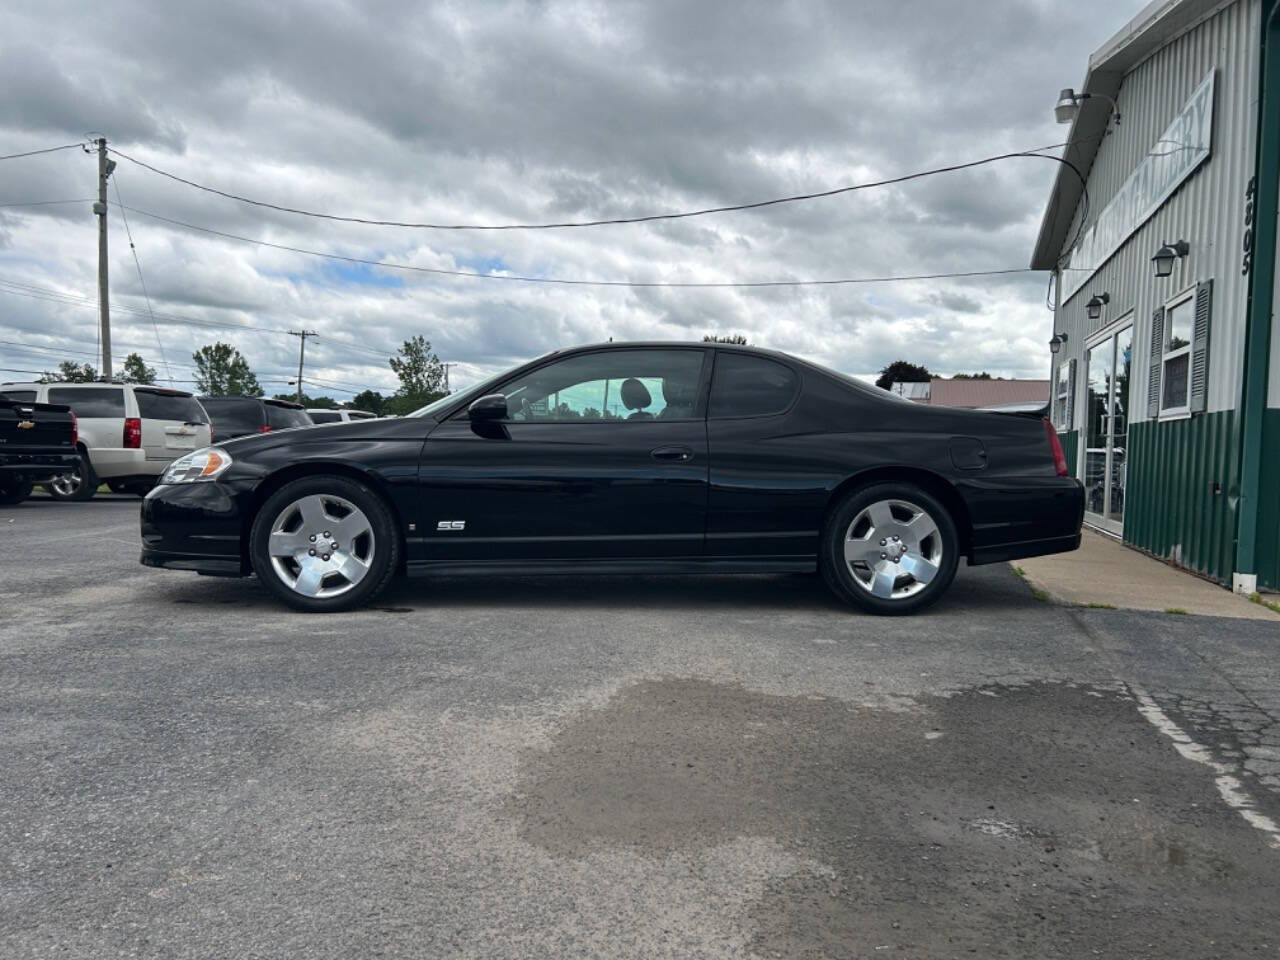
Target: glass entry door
1106, 428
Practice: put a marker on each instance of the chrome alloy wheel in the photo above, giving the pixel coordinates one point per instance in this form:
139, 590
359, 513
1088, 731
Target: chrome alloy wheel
67, 484
321, 545
893, 549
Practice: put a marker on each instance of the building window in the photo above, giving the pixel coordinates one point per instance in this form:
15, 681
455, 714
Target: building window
1063, 395
1175, 360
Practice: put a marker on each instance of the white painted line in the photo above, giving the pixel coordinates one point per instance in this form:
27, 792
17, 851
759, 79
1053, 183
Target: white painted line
1229, 786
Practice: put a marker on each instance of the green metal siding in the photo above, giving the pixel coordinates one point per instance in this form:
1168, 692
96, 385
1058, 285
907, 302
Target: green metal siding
1171, 508
1071, 447
1269, 504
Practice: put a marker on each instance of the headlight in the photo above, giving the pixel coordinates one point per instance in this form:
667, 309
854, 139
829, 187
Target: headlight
207, 464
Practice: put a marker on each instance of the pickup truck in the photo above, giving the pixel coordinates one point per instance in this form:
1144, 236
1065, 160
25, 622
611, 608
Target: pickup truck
37, 443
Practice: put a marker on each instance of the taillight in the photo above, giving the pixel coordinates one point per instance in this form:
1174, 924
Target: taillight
1055, 447
265, 428
75, 430
132, 433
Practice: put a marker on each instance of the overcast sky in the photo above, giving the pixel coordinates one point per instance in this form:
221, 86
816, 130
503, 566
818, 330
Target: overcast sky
524, 112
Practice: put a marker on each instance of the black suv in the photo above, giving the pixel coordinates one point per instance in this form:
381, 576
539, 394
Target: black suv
241, 416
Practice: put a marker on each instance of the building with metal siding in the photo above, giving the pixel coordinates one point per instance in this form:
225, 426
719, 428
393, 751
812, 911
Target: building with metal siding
1150, 394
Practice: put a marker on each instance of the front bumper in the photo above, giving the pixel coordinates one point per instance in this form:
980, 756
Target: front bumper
195, 526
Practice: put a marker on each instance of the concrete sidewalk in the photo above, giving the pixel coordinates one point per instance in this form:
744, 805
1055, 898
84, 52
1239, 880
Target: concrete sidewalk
1105, 573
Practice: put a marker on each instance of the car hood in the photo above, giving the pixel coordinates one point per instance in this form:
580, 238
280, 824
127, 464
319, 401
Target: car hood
398, 428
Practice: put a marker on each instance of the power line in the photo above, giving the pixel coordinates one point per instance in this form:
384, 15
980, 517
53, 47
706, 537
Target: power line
129, 233
32, 153
45, 203
647, 218
515, 278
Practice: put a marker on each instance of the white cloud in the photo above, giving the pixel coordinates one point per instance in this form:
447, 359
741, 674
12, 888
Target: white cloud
493, 112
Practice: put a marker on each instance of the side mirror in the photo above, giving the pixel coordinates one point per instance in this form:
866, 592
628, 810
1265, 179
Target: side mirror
488, 408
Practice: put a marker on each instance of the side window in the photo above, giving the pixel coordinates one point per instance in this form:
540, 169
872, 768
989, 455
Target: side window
1175, 377
609, 385
361, 415
89, 402
322, 416
21, 395
746, 386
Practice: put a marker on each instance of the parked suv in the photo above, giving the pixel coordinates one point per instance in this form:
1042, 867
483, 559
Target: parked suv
128, 432
240, 416
322, 415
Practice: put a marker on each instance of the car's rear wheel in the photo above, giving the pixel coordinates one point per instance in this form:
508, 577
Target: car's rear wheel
11, 492
79, 484
890, 548
324, 543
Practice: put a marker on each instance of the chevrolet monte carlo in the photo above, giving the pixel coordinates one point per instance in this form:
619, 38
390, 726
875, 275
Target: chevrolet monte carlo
635, 458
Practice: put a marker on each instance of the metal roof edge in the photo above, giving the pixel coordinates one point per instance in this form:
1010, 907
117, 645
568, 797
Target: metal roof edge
1155, 25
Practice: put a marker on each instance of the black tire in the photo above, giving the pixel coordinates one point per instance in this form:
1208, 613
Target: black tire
14, 492
82, 486
383, 548
939, 551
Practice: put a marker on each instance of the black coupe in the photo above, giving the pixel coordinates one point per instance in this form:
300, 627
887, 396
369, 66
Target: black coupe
627, 458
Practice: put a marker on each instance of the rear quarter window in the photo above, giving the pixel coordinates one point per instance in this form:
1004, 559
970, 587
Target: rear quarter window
23, 395
745, 386
282, 418
167, 406
361, 415
89, 402
324, 417
233, 416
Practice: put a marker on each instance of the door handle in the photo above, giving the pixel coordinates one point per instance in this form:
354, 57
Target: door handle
675, 452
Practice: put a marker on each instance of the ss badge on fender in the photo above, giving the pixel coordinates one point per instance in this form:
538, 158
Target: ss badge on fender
450, 525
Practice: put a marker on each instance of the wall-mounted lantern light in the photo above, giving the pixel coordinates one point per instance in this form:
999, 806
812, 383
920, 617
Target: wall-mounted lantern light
1095, 304
1068, 105
1056, 343
1166, 256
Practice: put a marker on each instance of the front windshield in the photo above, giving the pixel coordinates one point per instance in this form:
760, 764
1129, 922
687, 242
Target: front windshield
468, 393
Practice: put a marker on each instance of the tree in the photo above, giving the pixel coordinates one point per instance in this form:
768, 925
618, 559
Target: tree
737, 338
222, 372
421, 376
317, 403
70, 372
135, 370
900, 371
974, 376
370, 400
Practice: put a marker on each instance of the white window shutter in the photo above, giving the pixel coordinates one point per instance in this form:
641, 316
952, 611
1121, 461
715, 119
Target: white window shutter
1154, 367
1200, 347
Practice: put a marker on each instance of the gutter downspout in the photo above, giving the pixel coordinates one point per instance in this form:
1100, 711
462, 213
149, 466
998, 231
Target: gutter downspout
1257, 344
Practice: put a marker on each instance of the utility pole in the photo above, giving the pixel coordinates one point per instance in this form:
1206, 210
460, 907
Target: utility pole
446, 375
105, 167
302, 350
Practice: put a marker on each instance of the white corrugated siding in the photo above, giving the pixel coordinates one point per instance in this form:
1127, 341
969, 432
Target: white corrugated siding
1207, 210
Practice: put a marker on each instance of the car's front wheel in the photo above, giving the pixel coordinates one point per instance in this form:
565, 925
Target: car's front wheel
890, 548
324, 543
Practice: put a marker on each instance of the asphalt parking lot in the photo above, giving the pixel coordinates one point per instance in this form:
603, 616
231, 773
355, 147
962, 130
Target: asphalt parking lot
723, 767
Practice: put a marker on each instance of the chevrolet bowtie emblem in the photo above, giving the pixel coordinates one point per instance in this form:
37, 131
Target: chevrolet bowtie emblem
26, 424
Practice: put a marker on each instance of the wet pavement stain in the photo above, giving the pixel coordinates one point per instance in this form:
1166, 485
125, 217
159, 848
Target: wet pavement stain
1046, 820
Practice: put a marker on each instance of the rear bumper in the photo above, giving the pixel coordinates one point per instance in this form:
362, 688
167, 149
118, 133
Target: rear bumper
193, 526
112, 463
35, 466
1025, 517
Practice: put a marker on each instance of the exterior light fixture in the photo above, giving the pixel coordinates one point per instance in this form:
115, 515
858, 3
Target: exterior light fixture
1095, 304
1167, 254
1068, 105
1056, 343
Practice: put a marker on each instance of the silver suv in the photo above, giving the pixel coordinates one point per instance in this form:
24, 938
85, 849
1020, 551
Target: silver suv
128, 432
